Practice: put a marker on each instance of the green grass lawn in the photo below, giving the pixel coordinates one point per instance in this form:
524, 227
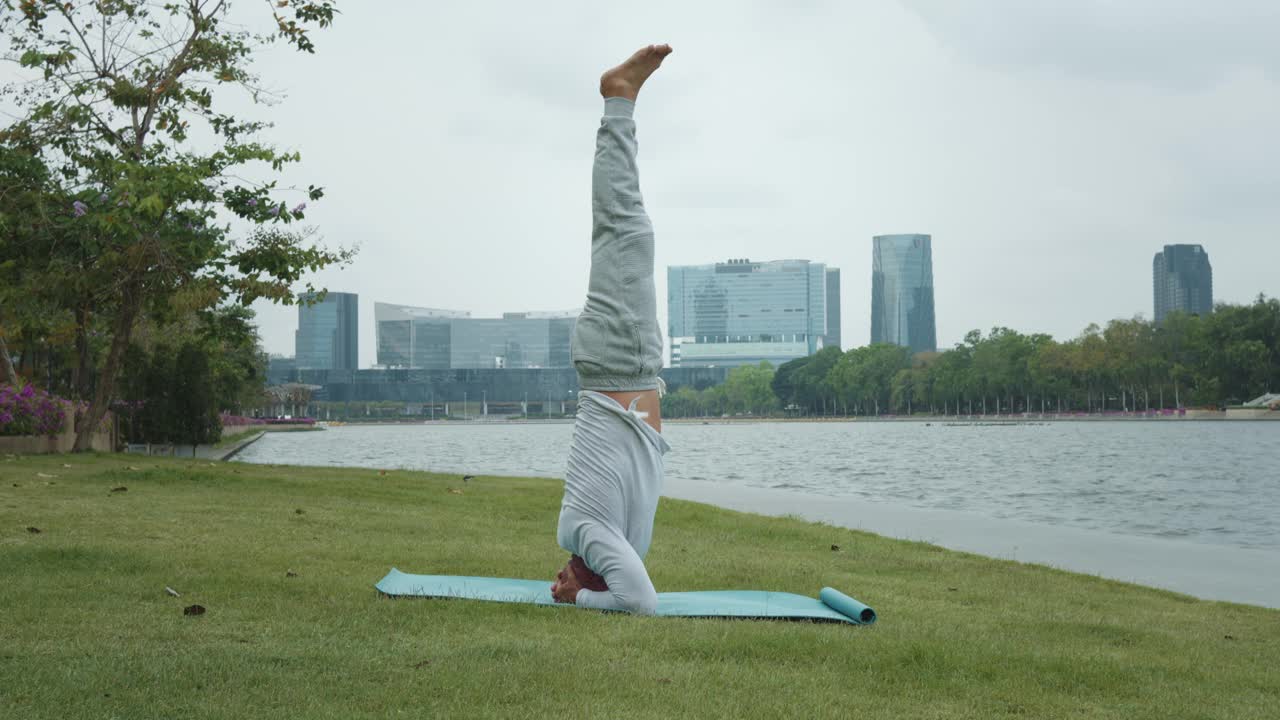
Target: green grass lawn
87, 630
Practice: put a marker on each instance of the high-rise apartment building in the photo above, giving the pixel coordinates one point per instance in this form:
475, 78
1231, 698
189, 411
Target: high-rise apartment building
328, 334
1182, 279
741, 312
902, 292
432, 339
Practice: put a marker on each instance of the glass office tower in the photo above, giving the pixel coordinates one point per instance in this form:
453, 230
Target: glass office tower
1182, 279
432, 339
902, 292
833, 308
327, 337
741, 312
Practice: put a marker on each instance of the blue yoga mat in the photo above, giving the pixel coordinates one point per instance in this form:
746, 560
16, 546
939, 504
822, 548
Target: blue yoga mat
830, 604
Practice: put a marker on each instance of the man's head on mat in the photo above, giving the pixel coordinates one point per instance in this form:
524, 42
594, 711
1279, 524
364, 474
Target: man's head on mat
573, 577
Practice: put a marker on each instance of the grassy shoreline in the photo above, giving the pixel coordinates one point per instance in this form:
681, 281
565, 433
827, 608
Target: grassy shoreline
90, 632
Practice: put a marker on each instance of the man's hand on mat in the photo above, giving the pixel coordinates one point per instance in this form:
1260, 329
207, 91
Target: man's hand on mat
566, 587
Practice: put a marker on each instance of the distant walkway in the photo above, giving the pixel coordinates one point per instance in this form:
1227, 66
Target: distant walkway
201, 452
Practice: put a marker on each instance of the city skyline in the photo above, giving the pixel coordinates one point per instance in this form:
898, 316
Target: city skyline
1182, 280
1054, 146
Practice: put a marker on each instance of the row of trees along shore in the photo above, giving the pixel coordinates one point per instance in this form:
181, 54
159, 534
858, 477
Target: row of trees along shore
140, 211
1223, 358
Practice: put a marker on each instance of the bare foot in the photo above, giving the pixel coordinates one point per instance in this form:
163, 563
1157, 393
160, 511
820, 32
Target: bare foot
625, 80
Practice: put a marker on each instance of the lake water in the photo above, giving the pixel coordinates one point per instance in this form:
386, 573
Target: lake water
1214, 483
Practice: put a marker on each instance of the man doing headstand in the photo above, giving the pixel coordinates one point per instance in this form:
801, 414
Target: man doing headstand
614, 472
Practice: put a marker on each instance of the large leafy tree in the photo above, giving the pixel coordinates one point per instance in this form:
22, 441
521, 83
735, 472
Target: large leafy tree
126, 107
749, 388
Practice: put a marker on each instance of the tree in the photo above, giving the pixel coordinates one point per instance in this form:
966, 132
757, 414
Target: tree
864, 376
195, 409
749, 388
681, 403
813, 380
120, 91
787, 381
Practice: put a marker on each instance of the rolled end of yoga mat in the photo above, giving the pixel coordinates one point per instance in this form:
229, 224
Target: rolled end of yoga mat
847, 606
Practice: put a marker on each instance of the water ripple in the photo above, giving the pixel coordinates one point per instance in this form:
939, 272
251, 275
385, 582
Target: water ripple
1199, 481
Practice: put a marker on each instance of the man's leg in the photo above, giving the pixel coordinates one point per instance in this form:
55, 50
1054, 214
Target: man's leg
617, 344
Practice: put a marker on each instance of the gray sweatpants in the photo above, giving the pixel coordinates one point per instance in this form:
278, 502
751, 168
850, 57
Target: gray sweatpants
617, 344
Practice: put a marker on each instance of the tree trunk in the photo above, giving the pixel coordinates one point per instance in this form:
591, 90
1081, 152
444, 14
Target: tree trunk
6, 364
80, 375
130, 305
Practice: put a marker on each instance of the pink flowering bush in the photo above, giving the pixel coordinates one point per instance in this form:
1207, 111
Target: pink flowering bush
28, 411
229, 420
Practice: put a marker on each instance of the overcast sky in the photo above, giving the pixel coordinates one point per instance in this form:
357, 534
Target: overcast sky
1050, 148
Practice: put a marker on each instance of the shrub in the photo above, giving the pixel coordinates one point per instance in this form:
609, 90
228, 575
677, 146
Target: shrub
29, 411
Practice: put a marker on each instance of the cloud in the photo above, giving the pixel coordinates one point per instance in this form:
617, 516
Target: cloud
1177, 44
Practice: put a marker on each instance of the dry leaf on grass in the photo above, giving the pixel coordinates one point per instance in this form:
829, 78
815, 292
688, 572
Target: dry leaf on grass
455, 491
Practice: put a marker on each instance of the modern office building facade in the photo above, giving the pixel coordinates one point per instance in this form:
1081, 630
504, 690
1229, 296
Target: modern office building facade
279, 369
433, 339
902, 310
741, 312
328, 332
833, 308
1182, 279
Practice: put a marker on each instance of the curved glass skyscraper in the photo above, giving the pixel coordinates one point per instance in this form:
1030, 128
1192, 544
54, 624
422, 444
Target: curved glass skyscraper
902, 292
1183, 281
